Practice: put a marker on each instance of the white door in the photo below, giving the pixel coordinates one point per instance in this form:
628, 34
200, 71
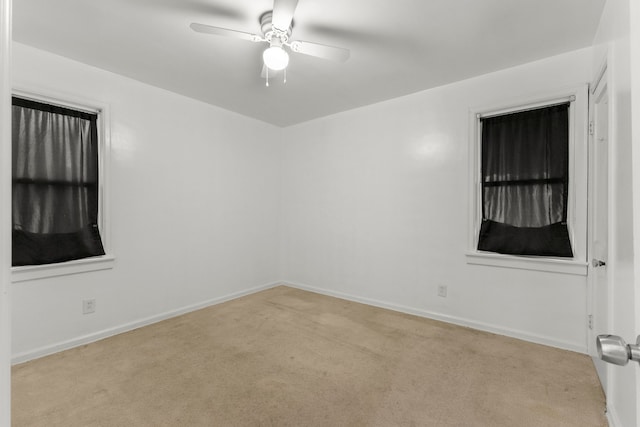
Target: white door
599, 223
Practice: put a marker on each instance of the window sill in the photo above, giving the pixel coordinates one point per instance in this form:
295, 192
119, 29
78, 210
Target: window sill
550, 265
34, 272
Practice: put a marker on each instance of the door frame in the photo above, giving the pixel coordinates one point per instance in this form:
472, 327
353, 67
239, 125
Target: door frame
599, 85
634, 52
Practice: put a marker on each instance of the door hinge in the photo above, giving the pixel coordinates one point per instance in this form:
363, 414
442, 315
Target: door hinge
590, 321
591, 128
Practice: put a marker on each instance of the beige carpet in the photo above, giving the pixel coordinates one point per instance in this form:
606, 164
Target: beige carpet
286, 357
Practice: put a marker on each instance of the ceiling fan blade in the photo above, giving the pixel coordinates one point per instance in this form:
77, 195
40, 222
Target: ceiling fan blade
208, 29
283, 13
332, 53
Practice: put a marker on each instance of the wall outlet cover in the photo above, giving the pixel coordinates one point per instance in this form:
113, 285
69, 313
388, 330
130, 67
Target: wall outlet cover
88, 306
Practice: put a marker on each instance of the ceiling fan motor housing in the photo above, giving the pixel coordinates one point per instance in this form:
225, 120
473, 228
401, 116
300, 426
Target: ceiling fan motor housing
268, 31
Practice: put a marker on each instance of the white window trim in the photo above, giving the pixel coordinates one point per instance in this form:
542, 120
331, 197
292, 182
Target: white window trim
104, 262
577, 199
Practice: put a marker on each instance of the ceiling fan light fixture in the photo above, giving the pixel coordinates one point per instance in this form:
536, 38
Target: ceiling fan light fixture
275, 58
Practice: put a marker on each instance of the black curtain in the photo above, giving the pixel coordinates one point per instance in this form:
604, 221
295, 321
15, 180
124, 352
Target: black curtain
55, 184
525, 181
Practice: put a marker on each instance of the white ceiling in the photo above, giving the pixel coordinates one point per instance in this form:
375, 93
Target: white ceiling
397, 46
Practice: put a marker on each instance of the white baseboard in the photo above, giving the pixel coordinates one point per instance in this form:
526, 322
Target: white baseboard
105, 333
96, 336
513, 333
612, 417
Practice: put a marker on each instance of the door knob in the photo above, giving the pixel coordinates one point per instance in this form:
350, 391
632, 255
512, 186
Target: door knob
613, 349
598, 263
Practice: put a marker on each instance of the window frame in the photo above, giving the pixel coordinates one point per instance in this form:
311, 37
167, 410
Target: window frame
577, 195
103, 262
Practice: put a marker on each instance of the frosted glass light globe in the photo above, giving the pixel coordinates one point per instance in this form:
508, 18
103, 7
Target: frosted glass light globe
275, 58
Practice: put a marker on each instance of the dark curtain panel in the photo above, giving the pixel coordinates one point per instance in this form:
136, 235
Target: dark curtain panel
525, 179
55, 184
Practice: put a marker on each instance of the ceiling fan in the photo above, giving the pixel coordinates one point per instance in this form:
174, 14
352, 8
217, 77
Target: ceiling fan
276, 26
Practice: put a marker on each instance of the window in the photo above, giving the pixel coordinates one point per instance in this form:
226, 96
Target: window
525, 182
528, 183
56, 212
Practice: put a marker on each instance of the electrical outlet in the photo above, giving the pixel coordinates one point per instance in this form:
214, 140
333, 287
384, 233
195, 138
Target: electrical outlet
442, 291
88, 306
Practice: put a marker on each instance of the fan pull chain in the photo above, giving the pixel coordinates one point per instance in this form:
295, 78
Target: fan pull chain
285, 76
267, 75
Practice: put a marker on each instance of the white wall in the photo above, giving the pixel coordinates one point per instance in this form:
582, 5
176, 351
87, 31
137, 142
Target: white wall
375, 205
5, 213
194, 208
612, 43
